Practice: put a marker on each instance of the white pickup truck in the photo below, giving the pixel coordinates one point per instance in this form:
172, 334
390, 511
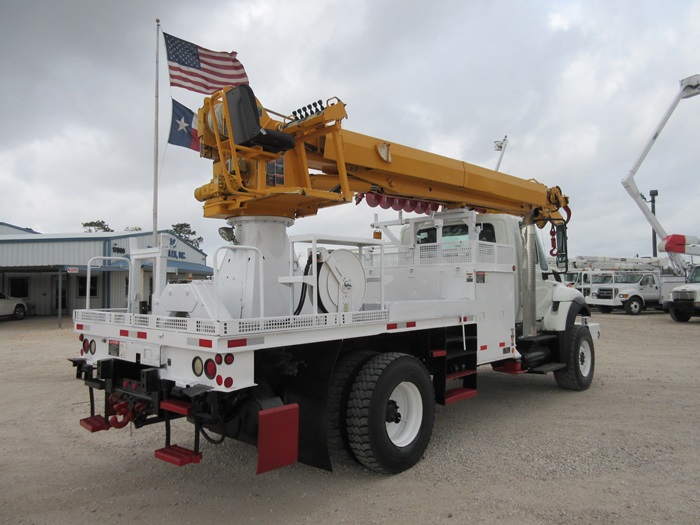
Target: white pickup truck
634, 291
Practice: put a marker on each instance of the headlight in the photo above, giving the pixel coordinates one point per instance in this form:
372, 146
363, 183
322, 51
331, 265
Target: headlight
624, 295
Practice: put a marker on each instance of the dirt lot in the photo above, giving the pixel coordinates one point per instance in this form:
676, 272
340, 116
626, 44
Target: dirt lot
521, 452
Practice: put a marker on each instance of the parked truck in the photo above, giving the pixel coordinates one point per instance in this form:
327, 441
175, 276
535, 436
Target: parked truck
634, 291
349, 350
587, 273
685, 299
684, 302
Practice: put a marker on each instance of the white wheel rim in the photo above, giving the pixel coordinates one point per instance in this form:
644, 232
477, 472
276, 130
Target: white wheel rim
585, 358
407, 398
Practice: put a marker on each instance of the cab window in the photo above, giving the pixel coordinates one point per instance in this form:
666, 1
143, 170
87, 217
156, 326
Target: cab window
455, 233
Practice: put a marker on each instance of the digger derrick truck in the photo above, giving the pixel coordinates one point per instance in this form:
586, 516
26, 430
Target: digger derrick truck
319, 347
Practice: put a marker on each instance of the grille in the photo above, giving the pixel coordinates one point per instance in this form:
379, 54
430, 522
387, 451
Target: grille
683, 295
605, 293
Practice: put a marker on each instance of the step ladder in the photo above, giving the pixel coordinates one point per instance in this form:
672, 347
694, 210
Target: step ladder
175, 454
96, 422
454, 357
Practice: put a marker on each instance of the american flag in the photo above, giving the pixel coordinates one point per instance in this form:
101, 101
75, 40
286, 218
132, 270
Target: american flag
201, 70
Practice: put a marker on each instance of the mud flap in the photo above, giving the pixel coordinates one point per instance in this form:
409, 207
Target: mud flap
278, 437
309, 389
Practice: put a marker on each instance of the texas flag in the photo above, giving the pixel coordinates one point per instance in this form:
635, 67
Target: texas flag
183, 127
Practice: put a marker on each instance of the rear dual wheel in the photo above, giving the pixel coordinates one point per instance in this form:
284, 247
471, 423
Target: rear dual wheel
343, 377
390, 413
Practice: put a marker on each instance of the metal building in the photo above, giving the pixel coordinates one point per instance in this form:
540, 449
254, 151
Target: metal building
41, 268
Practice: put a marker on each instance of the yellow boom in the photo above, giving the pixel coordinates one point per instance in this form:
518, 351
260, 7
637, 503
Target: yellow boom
296, 165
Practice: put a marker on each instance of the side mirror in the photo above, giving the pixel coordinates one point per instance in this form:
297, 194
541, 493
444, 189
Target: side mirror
562, 251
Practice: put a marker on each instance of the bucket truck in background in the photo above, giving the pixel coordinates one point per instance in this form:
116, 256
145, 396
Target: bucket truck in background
630, 283
348, 352
684, 302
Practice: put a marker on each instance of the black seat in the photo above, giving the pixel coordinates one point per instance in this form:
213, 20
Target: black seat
245, 121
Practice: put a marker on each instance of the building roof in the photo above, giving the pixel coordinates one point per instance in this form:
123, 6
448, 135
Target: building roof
31, 252
6, 227
72, 237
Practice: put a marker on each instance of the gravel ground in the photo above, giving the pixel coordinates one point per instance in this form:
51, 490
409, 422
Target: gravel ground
521, 452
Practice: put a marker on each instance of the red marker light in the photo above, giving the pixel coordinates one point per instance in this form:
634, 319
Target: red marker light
210, 368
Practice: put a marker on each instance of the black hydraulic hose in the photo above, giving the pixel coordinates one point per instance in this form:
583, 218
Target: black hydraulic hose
302, 297
211, 439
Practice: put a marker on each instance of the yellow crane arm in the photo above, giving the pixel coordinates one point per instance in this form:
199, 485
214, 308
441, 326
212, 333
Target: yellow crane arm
294, 166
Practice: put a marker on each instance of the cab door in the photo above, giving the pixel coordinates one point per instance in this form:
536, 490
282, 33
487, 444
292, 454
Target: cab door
649, 288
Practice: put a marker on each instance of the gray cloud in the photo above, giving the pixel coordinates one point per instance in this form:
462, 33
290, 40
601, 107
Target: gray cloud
577, 86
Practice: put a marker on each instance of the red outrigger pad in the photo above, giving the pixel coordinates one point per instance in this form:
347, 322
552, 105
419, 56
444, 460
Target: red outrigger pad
94, 423
278, 437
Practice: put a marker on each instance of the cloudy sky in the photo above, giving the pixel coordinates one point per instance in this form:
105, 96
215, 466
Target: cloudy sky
578, 87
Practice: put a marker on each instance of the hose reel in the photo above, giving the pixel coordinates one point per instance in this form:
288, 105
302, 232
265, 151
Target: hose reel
341, 281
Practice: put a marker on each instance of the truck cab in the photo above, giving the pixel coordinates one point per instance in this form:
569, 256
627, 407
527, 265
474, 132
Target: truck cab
684, 301
505, 229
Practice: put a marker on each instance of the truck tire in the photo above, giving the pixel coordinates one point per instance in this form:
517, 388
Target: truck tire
580, 361
341, 383
679, 317
19, 312
634, 306
605, 309
391, 411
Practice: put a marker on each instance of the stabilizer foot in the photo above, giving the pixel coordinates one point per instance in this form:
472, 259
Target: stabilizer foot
94, 423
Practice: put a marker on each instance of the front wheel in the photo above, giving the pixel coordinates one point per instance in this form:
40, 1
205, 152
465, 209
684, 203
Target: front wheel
634, 306
19, 312
391, 411
605, 309
580, 361
679, 317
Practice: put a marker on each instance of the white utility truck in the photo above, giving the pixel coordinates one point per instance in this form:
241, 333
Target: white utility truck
588, 280
347, 352
634, 291
588, 272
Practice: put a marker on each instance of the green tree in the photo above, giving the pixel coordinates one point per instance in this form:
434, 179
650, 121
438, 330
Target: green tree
185, 231
133, 229
96, 226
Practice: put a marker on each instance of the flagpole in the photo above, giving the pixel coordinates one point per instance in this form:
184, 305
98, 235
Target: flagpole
155, 147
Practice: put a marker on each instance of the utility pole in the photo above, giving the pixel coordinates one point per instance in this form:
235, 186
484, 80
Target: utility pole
652, 195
